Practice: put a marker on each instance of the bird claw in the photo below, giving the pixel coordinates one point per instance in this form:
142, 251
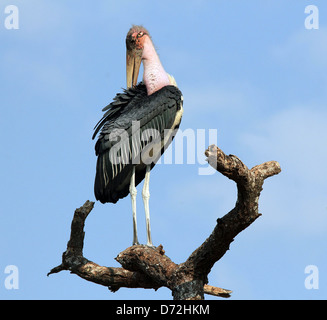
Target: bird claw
146, 245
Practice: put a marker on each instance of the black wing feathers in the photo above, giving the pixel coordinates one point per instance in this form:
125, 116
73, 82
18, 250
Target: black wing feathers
156, 111
121, 100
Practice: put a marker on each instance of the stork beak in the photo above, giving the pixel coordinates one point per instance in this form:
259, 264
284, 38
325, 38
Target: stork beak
133, 63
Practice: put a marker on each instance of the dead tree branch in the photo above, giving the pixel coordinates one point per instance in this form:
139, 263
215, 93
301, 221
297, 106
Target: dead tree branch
146, 267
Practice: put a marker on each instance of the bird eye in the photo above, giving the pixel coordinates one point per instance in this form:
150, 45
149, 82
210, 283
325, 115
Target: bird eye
140, 34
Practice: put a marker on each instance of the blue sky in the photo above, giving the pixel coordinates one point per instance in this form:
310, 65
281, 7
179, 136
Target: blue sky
250, 69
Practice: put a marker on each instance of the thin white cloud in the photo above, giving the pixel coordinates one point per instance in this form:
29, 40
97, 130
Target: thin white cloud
306, 47
295, 137
40, 21
298, 136
232, 98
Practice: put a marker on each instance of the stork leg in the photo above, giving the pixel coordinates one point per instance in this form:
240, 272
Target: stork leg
133, 192
146, 197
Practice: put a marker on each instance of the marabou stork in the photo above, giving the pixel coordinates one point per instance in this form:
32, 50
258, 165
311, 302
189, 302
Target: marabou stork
137, 127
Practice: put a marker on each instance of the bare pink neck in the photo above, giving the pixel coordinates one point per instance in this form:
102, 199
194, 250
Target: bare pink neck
154, 75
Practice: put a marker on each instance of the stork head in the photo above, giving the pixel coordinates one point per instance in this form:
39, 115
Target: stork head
134, 49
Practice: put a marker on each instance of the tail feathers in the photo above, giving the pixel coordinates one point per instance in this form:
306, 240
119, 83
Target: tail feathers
109, 187
112, 180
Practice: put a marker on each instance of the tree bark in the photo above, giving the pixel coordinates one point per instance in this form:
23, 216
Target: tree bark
147, 267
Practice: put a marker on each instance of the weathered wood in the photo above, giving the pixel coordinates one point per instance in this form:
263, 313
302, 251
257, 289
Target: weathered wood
149, 267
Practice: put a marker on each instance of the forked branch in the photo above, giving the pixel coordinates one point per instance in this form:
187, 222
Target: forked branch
147, 267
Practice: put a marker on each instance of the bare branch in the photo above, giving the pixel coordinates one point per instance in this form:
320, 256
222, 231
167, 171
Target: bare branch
140, 257
147, 267
218, 292
73, 260
249, 185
